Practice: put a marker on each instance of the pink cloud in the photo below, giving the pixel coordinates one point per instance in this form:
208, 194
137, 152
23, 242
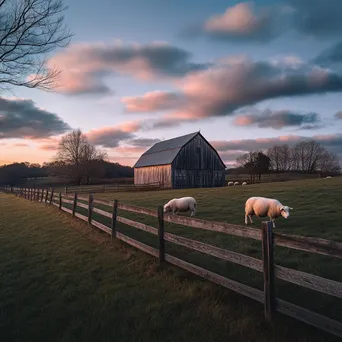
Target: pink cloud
338, 115
238, 20
112, 136
85, 65
231, 84
152, 101
277, 119
20, 145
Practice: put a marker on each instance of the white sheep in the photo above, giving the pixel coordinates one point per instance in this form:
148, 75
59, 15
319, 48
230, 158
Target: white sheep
262, 207
244, 183
236, 183
328, 177
181, 204
230, 183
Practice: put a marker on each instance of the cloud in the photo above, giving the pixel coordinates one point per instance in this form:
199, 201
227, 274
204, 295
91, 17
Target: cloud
112, 136
277, 119
86, 65
333, 142
20, 145
222, 89
315, 18
142, 142
248, 22
21, 118
338, 115
240, 22
330, 56
152, 101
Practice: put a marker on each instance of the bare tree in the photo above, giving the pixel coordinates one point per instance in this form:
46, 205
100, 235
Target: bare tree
306, 156
29, 29
76, 158
285, 158
329, 163
255, 163
274, 153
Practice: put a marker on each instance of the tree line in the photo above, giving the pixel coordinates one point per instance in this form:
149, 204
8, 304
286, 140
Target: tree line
76, 162
306, 157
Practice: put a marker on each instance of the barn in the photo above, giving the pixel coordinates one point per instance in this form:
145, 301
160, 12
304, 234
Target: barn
188, 161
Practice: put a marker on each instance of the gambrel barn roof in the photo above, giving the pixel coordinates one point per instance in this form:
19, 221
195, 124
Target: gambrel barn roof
164, 152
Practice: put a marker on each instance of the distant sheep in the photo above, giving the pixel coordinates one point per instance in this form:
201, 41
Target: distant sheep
328, 177
244, 183
262, 207
230, 183
181, 204
236, 183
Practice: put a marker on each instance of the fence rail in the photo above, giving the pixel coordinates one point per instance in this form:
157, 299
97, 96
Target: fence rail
269, 240
111, 188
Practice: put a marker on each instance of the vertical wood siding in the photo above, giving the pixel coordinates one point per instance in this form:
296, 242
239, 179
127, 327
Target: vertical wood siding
153, 174
197, 165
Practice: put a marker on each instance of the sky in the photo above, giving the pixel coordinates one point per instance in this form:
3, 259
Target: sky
248, 75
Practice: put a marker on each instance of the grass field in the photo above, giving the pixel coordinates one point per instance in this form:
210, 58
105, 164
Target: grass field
317, 208
62, 282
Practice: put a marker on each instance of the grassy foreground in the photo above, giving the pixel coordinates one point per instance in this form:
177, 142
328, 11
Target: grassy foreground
62, 282
317, 212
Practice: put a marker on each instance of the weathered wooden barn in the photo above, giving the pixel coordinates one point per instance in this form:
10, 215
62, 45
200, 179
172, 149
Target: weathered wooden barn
187, 161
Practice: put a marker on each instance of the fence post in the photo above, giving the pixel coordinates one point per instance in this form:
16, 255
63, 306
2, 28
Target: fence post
46, 195
161, 234
51, 196
90, 208
74, 204
60, 200
66, 189
41, 196
267, 255
114, 215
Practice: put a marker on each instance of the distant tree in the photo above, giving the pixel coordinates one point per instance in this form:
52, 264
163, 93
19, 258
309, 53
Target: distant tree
13, 174
329, 163
261, 164
280, 157
255, 163
29, 29
77, 159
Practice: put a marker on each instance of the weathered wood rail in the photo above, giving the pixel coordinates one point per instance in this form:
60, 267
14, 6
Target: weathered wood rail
111, 188
269, 240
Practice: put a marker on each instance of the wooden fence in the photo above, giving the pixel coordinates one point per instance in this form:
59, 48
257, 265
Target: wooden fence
111, 187
270, 270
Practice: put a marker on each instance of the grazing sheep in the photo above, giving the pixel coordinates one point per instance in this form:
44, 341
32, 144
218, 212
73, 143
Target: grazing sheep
230, 183
236, 183
328, 177
262, 207
181, 204
244, 183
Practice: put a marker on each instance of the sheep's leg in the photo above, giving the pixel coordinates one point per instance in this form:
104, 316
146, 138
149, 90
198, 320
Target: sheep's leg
250, 218
273, 221
246, 220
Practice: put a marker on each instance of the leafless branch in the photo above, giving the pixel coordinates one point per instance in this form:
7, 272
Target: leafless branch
30, 29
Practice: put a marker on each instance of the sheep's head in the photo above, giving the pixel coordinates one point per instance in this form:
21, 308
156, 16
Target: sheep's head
285, 211
167, 208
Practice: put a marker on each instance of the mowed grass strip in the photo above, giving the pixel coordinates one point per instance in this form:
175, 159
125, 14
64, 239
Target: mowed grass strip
61, 281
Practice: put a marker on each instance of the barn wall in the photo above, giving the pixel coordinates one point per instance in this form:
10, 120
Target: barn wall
153, 174
197, 165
